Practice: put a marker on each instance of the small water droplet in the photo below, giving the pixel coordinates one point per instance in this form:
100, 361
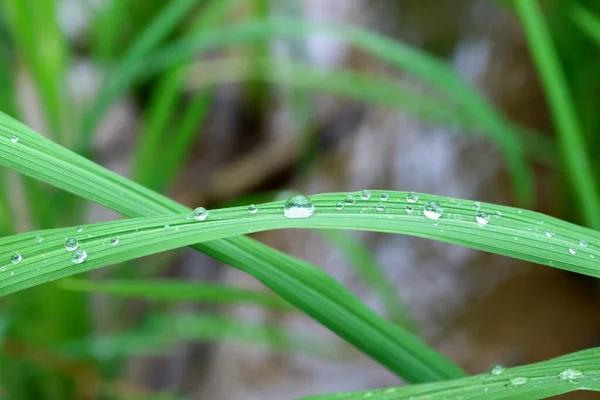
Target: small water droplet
519, 381
114, 241
16, 258
380, 206
520, 211
436, 223
3, 268
188, 216
339, 206
39, 239
365, 195
409, 210
516, 238
476, 206
14, 139
252, 209
572, 251
570, 374
530, 228
80, 229
200, 214
299, 206
412, 197
432, 210
482, 218
167, 227
384, 196
549, 234
12, 273
497, 369
583, 243
176, 229
71, 244
390, 390
541, 222
497, 214
592, 256
350, 200
78, 256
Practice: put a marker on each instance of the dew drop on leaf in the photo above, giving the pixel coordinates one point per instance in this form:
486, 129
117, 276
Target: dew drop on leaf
583, 243
252, 209
339, 206
167, 227
380, 206
384, 197
497, 214
39, 239
496, 369
299, 206
80, 229
409, 210
200, 214
476, 206
3, 268
14, 139
16, 258
572, 250
350, 200
519, 381
432, 210
114, 241
482, 218
71, 244
569, 374
365, 195
549, 234
412, 197
78, 256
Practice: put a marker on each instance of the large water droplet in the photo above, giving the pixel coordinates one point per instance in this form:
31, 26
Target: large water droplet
39, 239
384, 197
252, 209
380, 206
114, 241
482, 218
583, 243
549, 234
16, 258
572, 251
519, 381
78, 256
71, 244
14, 139
365, 195
432, 210
497, 369
299, 206
412, 197
200, 214
409, 210
350, 200
569, 374
339, 206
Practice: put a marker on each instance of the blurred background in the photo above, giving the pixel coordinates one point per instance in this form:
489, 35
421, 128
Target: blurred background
227, 102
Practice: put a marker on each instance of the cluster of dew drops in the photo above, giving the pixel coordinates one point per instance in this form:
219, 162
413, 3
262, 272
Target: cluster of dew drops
571, 375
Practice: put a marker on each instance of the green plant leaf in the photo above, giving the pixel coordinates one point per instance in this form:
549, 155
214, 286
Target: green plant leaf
541, 380
177, 291
301, 284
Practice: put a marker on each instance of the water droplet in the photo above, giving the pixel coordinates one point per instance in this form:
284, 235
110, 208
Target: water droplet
300, 206
432, 210
572, 251
167, 227
583, 243
409, 210
384, 196
592, 256
78, 256
3, 268
39, 239
497, 214
436, 223
482, 218
365, 195
530, 228
569, 374
541, 222
367, 395
16, 258
14, 139
496, 369
549, 234
80, 229
252, 209
519, 381
390, 390
114, 241
412, 197
349, 200
12, 273
516, 238
200, 214
188, 216
339, 206
380, 206
520, 211
71, 244
476, 206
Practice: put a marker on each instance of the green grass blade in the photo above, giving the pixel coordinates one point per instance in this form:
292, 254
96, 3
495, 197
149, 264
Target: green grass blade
542, 380
372, 274
301, 284
177, 291
588, 22
570, 135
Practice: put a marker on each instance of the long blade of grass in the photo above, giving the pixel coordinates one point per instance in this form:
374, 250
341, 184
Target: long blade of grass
372, 274
588, 22
576, 371
539, 238
177, 291
301, 284
570, 135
